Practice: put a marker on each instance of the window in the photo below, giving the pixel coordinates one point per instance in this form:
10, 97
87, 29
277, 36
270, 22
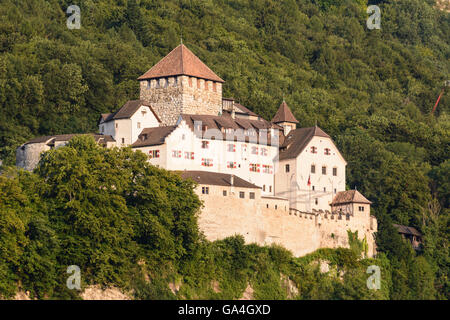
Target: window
123, 140
153, 154
252, 195
138, 125
313, 168
254, 167
205, 190
117, 125
241, 194
144, 113
313, 150
176, 153
205, 144
231, 147
334, 190
316, 201
324, 189
264, 151
276, 207
324, 170
254, 150
264, 188
334, 171
189, 155
207, 162
267, 169
361, 208
327, 151
270, 188
313, 188
224, 193
287, 168
231, 165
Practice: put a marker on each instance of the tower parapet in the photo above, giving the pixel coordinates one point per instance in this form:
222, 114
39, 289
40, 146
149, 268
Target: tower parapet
181, 84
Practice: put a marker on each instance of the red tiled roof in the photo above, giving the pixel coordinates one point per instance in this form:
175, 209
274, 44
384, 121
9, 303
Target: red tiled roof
284, 114
349, 196
180, 61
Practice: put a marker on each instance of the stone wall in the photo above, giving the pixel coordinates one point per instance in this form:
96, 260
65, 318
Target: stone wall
28, 155
265, 220
181, 95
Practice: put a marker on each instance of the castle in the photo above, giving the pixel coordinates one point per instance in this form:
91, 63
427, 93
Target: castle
268, 181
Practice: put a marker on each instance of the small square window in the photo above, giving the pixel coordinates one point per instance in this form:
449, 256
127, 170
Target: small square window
205, 190
252, 195
224, 193
241, 194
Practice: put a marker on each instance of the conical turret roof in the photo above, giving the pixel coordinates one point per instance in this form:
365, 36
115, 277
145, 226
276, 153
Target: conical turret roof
284, 114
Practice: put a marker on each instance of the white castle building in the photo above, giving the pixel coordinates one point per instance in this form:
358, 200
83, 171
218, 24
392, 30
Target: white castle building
254, 175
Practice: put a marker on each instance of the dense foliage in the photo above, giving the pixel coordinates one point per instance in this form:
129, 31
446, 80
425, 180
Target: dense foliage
371, 90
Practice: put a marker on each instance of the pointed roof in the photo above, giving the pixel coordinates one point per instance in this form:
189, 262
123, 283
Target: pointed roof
349, 196
181, 61
284, 114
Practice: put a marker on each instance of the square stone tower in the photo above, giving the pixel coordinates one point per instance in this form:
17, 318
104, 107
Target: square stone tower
181, 83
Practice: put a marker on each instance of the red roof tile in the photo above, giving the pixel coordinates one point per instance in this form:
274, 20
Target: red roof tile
181, 61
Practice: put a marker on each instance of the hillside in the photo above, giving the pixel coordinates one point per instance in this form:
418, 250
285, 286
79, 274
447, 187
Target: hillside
371, 90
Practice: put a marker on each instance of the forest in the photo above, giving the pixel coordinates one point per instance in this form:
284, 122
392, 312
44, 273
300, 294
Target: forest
373, 91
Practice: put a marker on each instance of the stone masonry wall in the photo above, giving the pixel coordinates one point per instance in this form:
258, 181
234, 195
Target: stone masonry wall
259, 222
179, 95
